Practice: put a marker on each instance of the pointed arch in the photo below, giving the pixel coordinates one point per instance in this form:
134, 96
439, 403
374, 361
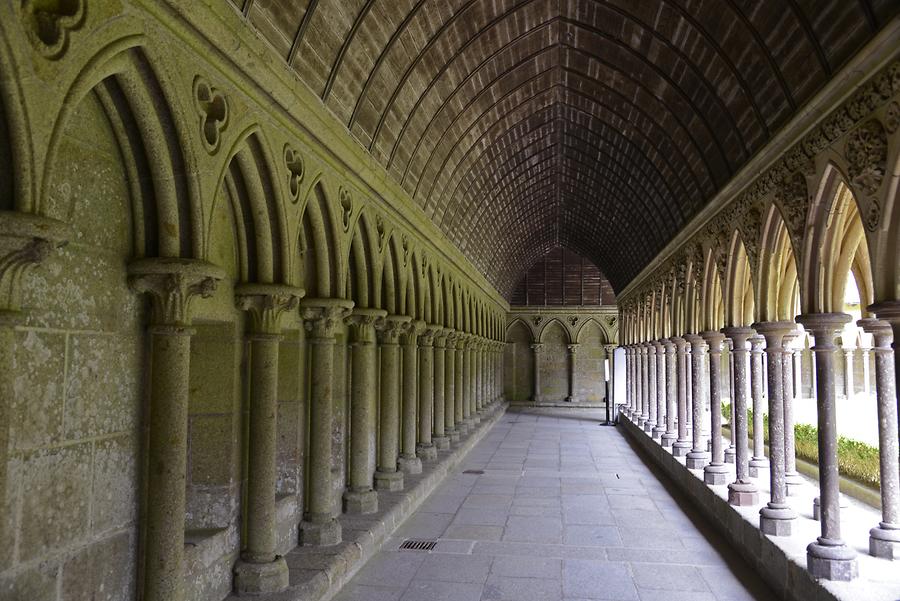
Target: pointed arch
550, 326
776, 278
319, 248
739, 297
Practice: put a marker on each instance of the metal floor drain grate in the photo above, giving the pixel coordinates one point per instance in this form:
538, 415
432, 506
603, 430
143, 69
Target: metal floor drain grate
418, 545
479, 472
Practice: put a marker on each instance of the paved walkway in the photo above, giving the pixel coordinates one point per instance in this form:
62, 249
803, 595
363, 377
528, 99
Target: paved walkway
565, 510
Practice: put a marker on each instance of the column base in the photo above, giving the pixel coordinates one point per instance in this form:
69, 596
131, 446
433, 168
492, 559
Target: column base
454, 436
696, 460
441, 442
426, 451
392, 481
831, 560
776, 520
476, 419
668, 439
260, 578
742, 494
817, 512
462, 428
657, 433
649, 426
572, 399
681, 448
320, 533
884, 542
730, 454
360, 501
640, 421
792, 482
756, 464
409, 465
715, 474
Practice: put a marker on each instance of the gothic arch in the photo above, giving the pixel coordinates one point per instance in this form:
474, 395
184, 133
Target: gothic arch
319, 248
550, 326
776, 278
584, 331
738, 296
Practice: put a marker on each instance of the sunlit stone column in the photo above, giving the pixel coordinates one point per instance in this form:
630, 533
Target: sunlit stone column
829, 557
743, 490
670, 435
645, 384
172, 285
460, 406
681, 446
848, 371
688, 386
537, 348
409, 462
440, 438
731, 450
425, 448
450, 387
573, 353
716, 472
884, 539
260, 569
758, 461
651, 422
777, 516
473, 383
659, 366
792, 478
387, 475
611, 400
629, 382
698, 456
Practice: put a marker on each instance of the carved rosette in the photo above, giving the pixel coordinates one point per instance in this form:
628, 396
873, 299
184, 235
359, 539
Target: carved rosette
265, 304
364, 323
322, 316
172, 285
394, 326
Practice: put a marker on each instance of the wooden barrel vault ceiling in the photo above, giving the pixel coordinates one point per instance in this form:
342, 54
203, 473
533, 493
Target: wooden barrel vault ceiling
602, 126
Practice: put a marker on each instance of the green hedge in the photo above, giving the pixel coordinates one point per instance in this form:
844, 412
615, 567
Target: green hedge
856, 460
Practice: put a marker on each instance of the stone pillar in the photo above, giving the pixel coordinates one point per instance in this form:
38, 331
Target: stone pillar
731, 450
360, 496
611, 400
829, 557
652, 409
688, 386
742, 491
440, 438
473, 380
537, 348
848, 372
866, 363
716, 472
645, 384
777, 516
409, 462
670, 435
884, 539
425, 448
573, 354
698, 456
629, 382
758, 461
172, 284
387, 475
659, 420
681, 446
450, 387
260, 569
462, 423
322, 317
792, 478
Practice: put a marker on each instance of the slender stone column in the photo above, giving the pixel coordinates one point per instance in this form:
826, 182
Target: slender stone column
473, 380
360, 496
409, 463
172, 284
462, 423
777, 516
884, 539
681, 446
758, 461
260, 569
638, 386
645, 385
652, 415
866, 363
671, 434
322, 317
848, 372
716, 472
573, 354
698, 456
659, 419
626, 406
792, 478
387, 475
440, 438
425, 448
731, 450
829, 557
742, 491
688, 386
537, 348
450, 387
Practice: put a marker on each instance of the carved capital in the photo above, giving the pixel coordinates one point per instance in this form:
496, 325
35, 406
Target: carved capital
265, 304
573, 348
172, 285
412, 330
537, 348
322, 316
363, 324
394, 326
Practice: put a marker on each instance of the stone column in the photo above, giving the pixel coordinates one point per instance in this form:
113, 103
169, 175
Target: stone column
172, 285
742, 491
260, 569
867, 379
387, 475
537, 348
651, 422
360, 496
670, 435
425, 448
848, 372
472, 349
440, 438
573, 354
322, 317
698, 456
688, 386
461, 408
716, 472
792, 478
660, 367
409, 462
450, 428
758, 461
777, 516
611, 400
731, 450
829, 557
645, 384
629, 382
681, 446
884, 539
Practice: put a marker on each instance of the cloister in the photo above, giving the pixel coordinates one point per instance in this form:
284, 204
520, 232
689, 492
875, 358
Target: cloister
466, 300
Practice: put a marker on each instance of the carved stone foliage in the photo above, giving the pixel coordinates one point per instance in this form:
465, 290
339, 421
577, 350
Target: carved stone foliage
25, 241
321, 317
380, 231
293, 164
536, 320
346, 200
892, 117
394, 326
49, 24
866, 152
793, 198
364, 323
265, 304
750, 225
173, 284
212, 110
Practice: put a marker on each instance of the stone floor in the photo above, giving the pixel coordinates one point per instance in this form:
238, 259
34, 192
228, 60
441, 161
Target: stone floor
565, 509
